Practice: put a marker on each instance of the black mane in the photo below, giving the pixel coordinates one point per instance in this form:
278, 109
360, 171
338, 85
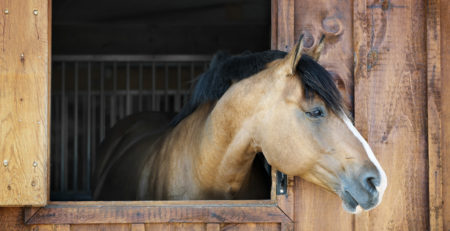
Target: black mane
225, 69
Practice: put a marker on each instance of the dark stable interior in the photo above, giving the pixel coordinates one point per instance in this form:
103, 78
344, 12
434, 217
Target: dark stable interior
88, 94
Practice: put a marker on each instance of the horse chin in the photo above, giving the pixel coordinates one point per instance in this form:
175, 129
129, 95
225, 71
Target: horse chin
353, 210
351, 205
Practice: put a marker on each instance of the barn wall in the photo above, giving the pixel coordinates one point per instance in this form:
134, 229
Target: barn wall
24, 102
390, 107
441, 185
401, 105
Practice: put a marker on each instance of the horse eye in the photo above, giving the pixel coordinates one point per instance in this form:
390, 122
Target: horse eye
316, 113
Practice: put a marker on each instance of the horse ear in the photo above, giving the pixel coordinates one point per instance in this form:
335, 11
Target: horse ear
316, 53
293, 57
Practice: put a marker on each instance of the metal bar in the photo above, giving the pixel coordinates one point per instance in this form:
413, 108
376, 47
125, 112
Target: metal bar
94, 131
153, 87
128, 99
102, 101
178, 94
166, 87
56, 140
123, 93
131, 58
88, 135
75, 132
141, 83
63, 129
113, 98
121, 107
192, 71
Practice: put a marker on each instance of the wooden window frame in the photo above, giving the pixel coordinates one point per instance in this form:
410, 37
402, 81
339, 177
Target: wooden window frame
277, 209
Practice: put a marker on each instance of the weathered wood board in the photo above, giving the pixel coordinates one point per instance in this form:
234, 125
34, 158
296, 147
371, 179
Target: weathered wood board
391, 107
24, 102
440, 181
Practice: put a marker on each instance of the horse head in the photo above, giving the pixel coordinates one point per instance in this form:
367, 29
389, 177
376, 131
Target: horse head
303, 130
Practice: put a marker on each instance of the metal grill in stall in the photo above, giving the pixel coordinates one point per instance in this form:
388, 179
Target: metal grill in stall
90, 93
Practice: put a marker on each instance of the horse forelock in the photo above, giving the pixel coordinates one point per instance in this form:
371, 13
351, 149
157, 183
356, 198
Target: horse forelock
317, 80
225, 69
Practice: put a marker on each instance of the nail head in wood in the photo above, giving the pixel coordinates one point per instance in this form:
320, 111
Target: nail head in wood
5, 163
6, 11
35, 12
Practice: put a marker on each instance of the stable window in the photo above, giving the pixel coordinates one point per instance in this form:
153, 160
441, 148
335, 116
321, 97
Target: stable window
112, 61
109, 61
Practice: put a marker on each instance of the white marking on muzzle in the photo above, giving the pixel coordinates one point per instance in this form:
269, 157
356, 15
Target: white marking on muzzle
383, 181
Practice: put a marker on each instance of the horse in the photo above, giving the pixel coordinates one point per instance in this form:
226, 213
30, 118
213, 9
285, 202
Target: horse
283, 105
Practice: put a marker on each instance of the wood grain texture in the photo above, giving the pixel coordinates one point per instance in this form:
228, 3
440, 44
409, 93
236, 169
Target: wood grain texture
285, 25
390, 107
137, 227
213, 227
251, 227
320, 211
176, 227
41, 228
334, 20
158, 214
434, 102
445, 114
12, 219
24, 100
62, 228
101, 227
84, 228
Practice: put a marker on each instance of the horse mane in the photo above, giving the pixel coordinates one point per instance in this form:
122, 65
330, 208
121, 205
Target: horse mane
225, 69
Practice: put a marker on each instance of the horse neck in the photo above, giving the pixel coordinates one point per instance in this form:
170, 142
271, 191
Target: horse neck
226, 149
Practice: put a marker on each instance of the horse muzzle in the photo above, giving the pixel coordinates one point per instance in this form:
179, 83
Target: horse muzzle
360, 190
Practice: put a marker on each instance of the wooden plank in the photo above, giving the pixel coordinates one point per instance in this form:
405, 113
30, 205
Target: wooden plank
390, 107
286, 202
434, 102
251, 227
102, 227
41, 228
29, 212
321, 210
285, 25
445, 114
315, 208
24, 98
157, 214
114, 227
249, 203
176, 227
287, 226
62, 227
84, 228
11, 219
137, 227
213, 227
334, 22
274, 24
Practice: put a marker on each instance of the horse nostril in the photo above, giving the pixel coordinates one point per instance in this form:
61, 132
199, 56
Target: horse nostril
370, 181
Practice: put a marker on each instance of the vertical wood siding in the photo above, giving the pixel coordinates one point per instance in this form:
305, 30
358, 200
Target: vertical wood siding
390, 107
24, 102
